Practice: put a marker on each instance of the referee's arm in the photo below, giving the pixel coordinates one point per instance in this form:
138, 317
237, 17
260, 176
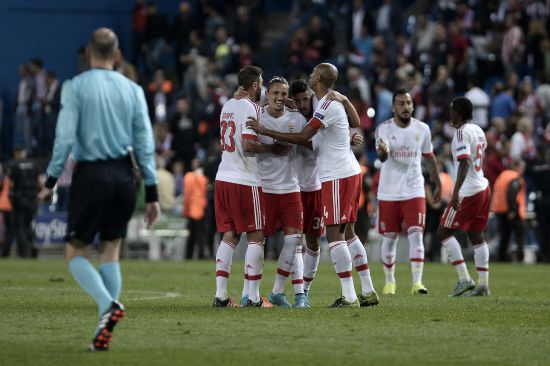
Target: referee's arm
144, 146
65, 134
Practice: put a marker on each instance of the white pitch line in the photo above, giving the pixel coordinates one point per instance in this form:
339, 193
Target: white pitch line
156, 294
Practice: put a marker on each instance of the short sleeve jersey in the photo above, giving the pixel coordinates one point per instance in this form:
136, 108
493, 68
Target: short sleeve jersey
401, 174
236, 165
335, 160
279, 173
469, 143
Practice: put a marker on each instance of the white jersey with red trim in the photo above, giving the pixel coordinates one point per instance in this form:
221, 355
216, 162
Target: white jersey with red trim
469, 143
331, 144
236, 165
401, 174
279, 173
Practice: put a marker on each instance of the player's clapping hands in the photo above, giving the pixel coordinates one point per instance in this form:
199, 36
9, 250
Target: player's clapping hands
357, 139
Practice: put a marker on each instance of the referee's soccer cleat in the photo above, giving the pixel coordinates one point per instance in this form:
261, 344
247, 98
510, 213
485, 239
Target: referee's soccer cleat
389, 288
419, 289
479, 291
369, 299
341, 302
227, 303
279, 300
461, 287
300, 301
263, 303
107, 322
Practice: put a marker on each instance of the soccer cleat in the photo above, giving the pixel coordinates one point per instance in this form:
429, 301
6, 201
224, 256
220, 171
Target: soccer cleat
341, 302
227, 303
107, 322
263, 303
419, 289
479, 291
279, 300
461, 287
244, 300
306, 295
369, 299
389, 288
300, 301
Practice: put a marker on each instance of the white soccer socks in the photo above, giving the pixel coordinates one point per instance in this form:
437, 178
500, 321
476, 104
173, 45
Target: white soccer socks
254, 267
360, 263
481, 258
341, 259
416, 253
456, 258
286, 261
311, 262
298, 271
224, 258
389, 251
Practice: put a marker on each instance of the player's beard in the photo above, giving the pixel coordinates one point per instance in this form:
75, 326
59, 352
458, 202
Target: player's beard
405, 120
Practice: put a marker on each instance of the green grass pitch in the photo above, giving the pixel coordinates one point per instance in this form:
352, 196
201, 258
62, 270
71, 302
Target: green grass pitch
47, 320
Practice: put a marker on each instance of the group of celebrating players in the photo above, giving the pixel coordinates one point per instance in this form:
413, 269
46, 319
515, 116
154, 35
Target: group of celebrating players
289, 166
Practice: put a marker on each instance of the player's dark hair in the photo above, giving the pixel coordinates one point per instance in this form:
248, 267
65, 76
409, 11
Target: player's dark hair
297, 87
103, 45
400, 91
464, 107
275, 80
249, 75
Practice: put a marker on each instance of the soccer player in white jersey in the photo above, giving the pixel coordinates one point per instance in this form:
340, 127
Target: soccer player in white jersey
401, 142
238, 195
339, 173
305, 266
280, 185
469, 207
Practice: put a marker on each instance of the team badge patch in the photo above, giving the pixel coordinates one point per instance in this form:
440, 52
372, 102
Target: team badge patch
319, 115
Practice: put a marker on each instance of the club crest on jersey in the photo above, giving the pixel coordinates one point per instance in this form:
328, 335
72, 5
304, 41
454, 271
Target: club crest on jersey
291, 126
319, 115
417, 137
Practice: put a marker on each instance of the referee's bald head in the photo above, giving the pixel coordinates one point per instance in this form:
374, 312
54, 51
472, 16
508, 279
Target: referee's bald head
103, 44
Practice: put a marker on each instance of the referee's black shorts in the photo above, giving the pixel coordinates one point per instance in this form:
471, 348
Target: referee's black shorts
102, 200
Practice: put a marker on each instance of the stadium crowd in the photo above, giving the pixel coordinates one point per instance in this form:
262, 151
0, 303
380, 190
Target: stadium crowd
495, 53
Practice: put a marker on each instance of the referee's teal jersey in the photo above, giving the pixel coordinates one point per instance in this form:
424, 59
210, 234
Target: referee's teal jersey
102, 113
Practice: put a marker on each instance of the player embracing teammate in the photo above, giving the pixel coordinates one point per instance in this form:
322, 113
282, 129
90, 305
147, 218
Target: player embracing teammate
339, 173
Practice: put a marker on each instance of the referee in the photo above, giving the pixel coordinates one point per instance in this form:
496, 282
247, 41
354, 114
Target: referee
103, 113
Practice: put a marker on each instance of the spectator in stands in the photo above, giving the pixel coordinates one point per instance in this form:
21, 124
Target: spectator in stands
185, 22
513, 45
383, 104
165, 184
163, 140
541, 179
156, 36
139, 25
543, 94
424, 34
522, 143
194, 209
357, 81
178, 169
159, 96
23, 112
6, 212
441, 52
528, 101
223, 50
509, 205
52, 104
40, 90
480, 101
245, 28
184, 131
320, 37
24, 178
388, 19
503, 103
440, 93
362, 48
